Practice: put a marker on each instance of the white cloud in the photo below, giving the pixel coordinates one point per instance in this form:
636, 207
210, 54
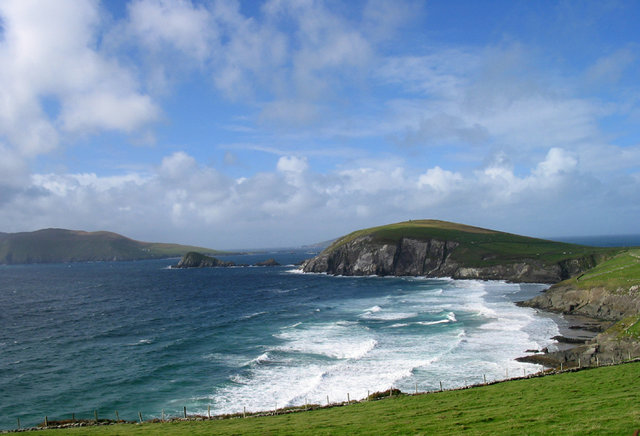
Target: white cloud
557, 162
292, 164
439, 180
49, 52
160, 25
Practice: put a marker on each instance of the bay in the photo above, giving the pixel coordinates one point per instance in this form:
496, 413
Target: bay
137, 336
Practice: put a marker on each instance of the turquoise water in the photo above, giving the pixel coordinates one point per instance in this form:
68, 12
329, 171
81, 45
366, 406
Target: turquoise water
136, 336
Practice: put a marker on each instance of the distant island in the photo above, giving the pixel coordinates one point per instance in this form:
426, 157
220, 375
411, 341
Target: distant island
600, 283
61, 245
199, 260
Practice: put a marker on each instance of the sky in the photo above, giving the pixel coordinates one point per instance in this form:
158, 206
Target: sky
248, 124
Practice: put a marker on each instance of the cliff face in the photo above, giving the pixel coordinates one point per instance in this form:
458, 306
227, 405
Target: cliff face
431, 258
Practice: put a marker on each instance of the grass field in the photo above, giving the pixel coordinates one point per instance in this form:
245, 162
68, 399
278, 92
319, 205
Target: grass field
482, 247
622, 271
595, 401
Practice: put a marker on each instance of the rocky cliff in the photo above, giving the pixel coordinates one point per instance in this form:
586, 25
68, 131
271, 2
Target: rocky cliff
431, 257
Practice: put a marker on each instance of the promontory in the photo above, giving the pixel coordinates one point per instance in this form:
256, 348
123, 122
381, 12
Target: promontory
595, 282
433, 248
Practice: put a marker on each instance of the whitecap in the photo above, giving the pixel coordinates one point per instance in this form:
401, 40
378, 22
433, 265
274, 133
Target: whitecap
389, 316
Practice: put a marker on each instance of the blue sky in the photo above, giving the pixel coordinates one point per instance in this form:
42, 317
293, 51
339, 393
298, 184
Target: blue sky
278, 123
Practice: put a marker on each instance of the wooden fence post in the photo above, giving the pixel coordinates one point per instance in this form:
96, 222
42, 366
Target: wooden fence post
95, 415
327, 400
18, 423
117, 417
209, 411
244, 411
348, 399
46, 421
484, 377
440, 386
140, 416
185, 412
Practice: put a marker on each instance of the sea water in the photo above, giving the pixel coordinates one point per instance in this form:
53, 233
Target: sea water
138, 336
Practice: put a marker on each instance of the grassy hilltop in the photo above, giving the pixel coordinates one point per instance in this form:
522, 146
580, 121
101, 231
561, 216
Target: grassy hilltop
479, 247
60, 245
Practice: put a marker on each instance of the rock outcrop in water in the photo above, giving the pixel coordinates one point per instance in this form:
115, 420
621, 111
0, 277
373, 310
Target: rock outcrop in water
432, 257
268, 262
197, 260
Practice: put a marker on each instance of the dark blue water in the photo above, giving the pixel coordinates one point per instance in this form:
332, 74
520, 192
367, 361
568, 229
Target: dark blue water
603, 241
136, 336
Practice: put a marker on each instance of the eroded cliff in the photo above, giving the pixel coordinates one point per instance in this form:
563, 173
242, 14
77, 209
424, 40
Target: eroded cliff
365, 255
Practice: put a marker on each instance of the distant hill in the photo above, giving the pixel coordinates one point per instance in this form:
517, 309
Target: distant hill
60, 245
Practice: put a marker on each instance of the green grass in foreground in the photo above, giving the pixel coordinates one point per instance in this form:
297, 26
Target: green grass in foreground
596, 401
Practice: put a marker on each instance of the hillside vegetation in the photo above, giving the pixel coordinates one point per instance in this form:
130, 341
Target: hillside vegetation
594, 401
60, 245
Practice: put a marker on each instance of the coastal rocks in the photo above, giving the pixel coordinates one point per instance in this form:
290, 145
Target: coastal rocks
604, 349
197, 260
600, 304
268, 262
431, 258
595, 302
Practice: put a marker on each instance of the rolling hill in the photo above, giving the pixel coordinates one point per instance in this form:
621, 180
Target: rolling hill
60, 245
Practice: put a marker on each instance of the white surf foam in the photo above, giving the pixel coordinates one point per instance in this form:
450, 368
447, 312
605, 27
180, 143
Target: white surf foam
479, 334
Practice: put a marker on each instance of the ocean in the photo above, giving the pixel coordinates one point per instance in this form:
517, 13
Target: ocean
138, 336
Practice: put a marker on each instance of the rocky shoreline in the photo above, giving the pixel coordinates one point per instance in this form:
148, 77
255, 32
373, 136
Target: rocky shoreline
583, 341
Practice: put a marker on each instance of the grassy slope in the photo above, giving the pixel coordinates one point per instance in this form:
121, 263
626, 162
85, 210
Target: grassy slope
480, 247
596, 401
617, 275
621, 271
59, 245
